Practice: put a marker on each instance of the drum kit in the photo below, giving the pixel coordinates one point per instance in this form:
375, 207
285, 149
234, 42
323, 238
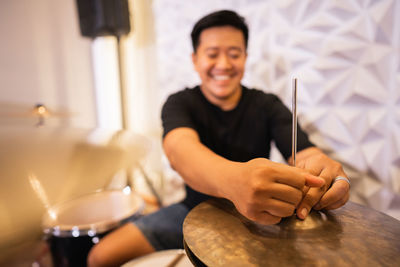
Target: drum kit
216, 234
55, 186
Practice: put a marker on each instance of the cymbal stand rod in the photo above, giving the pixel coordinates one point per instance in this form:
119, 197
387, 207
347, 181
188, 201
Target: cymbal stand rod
294, 121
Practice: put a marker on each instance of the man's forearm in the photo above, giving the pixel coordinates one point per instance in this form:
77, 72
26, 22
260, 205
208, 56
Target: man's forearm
202, 169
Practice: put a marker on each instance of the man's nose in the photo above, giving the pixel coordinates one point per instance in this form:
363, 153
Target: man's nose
223, 62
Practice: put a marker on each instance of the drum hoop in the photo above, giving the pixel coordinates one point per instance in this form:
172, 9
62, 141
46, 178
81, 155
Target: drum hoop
93, 231
169, 252
69, 230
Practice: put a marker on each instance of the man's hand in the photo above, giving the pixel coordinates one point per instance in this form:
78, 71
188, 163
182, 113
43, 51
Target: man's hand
329, 196
261, 190
266, 191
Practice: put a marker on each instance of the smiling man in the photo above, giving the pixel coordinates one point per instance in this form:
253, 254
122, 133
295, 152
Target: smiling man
217, 136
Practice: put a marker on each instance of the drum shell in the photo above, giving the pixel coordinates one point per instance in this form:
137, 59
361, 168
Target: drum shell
72, 251
70, 243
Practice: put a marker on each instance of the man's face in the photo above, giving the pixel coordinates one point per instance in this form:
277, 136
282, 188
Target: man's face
219, 60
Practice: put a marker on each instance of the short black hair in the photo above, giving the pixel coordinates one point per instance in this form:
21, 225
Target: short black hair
219, 18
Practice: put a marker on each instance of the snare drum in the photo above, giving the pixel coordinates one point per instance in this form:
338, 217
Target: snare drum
73, 227
166, 258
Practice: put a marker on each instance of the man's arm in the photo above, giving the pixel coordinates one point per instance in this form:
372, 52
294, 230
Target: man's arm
261, 190
329, 196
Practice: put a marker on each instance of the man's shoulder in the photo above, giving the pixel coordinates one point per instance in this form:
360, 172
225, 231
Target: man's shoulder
260, 95
186, 97
186, 92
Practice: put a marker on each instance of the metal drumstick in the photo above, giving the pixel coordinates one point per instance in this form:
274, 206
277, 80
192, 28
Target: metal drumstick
294, 120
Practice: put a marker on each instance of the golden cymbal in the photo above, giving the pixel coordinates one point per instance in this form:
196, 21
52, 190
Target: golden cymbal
354, 235
39, 112
36, 111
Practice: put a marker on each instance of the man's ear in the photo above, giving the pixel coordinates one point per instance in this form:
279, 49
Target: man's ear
194, 60
194, 57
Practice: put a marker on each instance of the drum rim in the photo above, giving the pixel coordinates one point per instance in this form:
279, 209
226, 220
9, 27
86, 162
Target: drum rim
69, 230
141, 259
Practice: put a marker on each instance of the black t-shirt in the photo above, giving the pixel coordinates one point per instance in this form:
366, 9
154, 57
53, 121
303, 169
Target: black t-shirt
241, 134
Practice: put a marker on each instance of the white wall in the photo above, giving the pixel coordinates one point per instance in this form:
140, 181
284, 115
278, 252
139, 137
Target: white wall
346, 55
44, 59
141, 73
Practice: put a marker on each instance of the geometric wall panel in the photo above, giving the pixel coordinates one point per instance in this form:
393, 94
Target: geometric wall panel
346, 55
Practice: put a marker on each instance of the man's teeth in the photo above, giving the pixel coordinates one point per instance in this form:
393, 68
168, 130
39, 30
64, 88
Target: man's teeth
221, 77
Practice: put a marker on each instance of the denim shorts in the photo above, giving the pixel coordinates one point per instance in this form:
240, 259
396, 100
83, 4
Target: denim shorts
163, 228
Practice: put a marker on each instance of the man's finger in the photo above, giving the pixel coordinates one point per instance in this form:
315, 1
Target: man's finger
311, 198
296, 177
305, 190
314, 181
337, 192
266, 218
339, 203
284, 193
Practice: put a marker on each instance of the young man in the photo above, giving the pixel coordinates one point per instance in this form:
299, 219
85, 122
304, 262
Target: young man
217, 136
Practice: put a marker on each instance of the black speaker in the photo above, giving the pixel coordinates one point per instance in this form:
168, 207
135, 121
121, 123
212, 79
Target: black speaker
103, 17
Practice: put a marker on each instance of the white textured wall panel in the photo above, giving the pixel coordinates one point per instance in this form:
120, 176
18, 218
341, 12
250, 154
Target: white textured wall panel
346, 55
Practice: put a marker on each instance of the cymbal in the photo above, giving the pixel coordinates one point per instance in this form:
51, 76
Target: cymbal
354, 235
36, 111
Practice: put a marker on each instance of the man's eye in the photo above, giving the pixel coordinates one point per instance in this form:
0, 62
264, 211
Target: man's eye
212, 55
234, 56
